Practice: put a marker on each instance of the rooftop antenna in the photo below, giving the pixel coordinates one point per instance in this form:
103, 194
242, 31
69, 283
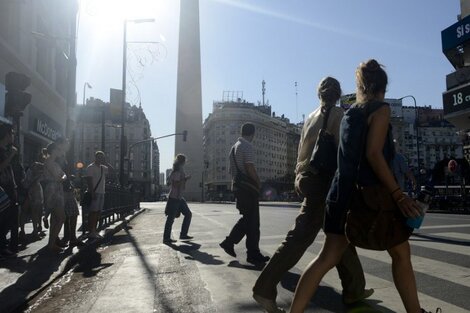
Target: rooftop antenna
296, 103
263, 89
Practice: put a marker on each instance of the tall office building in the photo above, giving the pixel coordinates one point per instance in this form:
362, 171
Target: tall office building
189, 97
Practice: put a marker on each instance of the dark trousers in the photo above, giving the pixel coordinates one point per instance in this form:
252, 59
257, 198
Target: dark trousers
307, 225
248, 225
174, 207
9, 223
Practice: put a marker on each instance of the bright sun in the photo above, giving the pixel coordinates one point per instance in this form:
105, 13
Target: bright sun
108, 12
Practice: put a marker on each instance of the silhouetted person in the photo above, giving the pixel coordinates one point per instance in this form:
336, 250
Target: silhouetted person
242, 159
314, 187
176, 204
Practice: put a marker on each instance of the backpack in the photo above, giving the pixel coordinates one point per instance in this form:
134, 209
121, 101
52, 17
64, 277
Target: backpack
353, 128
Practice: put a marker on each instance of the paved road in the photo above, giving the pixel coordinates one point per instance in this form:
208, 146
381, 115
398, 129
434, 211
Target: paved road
135, 272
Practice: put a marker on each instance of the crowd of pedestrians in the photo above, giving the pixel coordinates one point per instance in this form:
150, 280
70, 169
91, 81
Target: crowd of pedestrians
45, 195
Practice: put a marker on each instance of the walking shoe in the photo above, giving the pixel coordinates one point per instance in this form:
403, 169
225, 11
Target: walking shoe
186, 237
438, 310
269, 305
366, 294
228, 248
257, 258
168, 241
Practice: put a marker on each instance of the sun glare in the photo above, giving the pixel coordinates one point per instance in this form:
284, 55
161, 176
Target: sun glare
109, 12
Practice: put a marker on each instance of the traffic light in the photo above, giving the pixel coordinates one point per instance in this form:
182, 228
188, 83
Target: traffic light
185, 135
16, 98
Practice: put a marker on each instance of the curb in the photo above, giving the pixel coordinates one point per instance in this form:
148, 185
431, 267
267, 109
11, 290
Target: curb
70, 262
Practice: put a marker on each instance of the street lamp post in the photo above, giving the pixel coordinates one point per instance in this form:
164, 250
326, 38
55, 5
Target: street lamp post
82, 139
123, 107
416, 131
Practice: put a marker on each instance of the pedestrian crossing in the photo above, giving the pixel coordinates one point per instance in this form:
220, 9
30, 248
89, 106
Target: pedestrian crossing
385, 291
442, 281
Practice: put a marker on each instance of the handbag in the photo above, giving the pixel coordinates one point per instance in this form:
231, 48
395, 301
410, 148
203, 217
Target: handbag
243, 182
87, 198
4, 200
374, 220
173, 205
324, 153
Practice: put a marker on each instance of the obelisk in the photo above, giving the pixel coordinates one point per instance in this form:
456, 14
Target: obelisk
189, 97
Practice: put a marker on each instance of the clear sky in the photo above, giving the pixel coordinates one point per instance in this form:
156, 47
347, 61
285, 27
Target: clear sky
246, 41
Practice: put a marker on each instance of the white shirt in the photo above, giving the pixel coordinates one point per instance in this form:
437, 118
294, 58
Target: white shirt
94, 171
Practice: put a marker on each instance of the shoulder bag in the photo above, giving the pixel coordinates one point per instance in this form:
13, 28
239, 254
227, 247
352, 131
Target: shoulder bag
324, 155
244, 182
374, 220
86, 200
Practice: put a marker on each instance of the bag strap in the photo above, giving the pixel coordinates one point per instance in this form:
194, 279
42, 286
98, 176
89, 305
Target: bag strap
232, 152
99, 180
325, 117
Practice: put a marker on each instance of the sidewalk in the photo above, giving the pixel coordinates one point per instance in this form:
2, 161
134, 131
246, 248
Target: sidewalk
34, 268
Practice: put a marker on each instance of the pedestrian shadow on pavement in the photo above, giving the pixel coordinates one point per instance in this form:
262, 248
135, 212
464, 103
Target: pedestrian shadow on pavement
89, 263
329, 299
247, 266
36, 273
193, 252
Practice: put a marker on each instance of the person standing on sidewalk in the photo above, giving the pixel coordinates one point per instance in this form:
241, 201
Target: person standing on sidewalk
176, 204
314, 187
8, 184
54, 195
242, 159
96, 179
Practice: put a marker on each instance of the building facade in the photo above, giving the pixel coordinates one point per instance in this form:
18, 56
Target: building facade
275, 143
99, 128
37, 41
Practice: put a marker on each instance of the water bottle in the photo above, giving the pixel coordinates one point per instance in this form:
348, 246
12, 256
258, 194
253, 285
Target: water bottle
423, 200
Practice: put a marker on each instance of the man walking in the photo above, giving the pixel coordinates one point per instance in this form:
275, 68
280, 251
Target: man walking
242, 161
96, 179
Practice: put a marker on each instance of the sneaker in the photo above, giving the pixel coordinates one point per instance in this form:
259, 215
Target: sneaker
438, 310
366, 294
228, 248
257, 258
186, 237
168, 241
269, 305
62, 243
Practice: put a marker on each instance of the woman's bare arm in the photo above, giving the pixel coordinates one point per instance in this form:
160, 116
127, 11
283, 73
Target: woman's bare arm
378, 128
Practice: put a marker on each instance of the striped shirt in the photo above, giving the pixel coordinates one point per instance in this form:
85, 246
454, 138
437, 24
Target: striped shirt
243, 150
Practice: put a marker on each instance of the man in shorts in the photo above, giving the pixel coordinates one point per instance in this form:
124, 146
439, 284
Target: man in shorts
96, 179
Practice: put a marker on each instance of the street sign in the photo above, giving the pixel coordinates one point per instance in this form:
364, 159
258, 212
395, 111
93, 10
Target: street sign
456, 34
456, 99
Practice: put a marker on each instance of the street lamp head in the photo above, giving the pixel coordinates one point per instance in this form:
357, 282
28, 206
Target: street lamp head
88, 85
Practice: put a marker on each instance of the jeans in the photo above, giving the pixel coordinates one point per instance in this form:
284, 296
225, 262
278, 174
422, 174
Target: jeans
248, 225
307, 225
178, 206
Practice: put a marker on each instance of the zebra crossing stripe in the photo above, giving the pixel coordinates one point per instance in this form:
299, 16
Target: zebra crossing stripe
385, 290
458, 236
444, 226
445, 271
